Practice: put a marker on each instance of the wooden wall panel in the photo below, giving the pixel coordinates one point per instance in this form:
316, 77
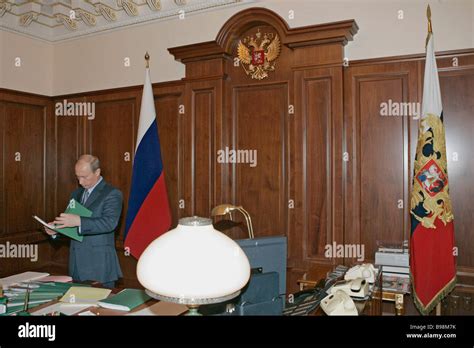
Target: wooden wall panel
381, 160
111, 137
201, 139
316, 170
203, 156
170, 128
458, 111
378, 170
2, 169
26, 132
70, 140
261, 126
317, 99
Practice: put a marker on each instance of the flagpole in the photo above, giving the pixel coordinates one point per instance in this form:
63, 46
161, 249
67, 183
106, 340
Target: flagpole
147, 59
428, 15
430, 32
430, 28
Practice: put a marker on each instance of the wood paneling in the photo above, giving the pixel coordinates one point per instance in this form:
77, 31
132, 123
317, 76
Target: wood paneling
24, 130
70, 145
458, 110
316, 170
200, 154
111, 137
260, 128
168, 101
2, 171
378, 169
26, 176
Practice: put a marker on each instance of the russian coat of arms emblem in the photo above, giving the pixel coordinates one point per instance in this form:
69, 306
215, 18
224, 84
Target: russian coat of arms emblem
257, 54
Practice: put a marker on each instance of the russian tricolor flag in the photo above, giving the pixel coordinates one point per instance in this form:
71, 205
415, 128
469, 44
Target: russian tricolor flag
148, 214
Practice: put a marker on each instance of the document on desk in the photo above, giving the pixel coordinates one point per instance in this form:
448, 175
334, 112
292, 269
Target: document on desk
57, 279
64, 308
75, 208
85, 295
21, 278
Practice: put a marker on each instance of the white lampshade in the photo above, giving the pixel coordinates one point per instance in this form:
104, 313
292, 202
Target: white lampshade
193, 263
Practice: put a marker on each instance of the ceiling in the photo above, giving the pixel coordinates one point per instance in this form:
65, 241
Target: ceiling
57, 20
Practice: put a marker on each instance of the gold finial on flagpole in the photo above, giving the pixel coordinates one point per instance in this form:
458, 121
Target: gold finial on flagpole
147, 58
428, 15
430, 28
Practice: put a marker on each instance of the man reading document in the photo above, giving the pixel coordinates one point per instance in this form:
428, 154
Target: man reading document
95, 257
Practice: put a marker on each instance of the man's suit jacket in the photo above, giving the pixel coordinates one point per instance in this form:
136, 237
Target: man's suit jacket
95, 257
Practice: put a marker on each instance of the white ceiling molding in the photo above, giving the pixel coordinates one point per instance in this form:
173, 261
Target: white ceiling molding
58, 20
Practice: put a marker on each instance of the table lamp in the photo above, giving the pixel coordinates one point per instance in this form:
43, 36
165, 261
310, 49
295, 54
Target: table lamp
193, 264
224, 209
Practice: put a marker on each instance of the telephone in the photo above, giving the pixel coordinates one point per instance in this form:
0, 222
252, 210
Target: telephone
355, 288
365, 270
338, 303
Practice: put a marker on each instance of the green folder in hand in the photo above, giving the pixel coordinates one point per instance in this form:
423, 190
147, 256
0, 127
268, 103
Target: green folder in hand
74, 207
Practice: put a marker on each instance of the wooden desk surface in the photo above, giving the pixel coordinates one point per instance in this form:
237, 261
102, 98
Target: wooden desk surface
100, 310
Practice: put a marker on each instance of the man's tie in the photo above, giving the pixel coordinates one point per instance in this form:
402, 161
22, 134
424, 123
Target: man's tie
85, 196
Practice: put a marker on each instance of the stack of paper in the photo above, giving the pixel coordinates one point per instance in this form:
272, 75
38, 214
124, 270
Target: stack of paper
58, 279
64, 308
39, 293
21, 278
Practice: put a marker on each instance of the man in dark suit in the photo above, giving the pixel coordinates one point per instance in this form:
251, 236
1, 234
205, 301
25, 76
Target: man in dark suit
95, 257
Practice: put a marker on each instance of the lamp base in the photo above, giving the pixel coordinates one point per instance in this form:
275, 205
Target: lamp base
193, 311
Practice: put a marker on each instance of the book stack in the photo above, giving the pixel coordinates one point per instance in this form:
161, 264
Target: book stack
38, 293
394, 258
394, 261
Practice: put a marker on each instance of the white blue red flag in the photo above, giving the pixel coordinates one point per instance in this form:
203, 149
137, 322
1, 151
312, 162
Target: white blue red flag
148, 214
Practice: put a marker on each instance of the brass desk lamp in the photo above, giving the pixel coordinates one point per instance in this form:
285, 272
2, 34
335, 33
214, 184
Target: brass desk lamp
224, 209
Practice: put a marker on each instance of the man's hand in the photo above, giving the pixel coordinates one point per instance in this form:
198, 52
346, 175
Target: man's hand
67, 220
50, 231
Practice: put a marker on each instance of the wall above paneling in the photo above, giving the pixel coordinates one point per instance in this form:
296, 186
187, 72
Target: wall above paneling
96, 62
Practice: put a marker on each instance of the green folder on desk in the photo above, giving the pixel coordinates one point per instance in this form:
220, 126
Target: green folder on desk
76, 208
125, 300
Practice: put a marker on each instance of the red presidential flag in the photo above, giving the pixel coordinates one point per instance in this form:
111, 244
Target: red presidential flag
432, 260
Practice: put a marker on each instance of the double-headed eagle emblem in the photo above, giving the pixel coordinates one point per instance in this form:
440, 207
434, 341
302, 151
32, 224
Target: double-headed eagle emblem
257, 54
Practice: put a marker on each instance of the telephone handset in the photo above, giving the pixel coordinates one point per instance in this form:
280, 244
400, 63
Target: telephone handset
366, 271
338, 303
306, 301
355, 288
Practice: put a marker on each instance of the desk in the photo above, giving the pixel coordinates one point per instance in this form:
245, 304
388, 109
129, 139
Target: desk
168, 309
369, 307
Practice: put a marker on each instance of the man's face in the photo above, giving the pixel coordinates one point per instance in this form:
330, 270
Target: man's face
86, 177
